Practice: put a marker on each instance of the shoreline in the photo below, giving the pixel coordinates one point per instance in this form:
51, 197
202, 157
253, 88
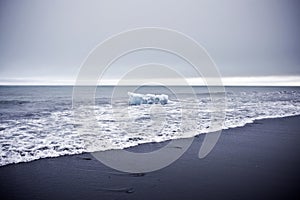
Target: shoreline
257, 161
158, 144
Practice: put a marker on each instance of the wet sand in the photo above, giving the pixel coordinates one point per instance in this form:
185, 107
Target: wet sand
258, 161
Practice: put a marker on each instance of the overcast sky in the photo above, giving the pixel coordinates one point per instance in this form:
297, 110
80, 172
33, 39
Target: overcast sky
48, 40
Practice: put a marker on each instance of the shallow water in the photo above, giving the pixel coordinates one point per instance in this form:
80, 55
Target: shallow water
40, 121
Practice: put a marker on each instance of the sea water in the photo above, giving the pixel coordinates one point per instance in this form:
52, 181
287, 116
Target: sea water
38, 121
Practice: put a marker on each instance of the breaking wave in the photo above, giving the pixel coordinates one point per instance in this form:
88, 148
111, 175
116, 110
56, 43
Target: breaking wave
40, 128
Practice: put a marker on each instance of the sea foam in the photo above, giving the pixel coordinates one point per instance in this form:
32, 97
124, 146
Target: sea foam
42, 126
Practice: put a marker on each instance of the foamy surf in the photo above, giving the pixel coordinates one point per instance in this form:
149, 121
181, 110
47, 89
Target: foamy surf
44, 126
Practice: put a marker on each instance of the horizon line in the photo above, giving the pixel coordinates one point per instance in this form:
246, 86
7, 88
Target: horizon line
56, 85
278, 81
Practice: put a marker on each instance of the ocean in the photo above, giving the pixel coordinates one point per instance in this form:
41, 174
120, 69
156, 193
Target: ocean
40, 121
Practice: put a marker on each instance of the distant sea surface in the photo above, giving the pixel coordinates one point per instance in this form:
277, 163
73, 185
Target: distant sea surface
38, 121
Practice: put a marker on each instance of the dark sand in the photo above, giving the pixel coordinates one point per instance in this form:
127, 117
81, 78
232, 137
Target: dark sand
258, 161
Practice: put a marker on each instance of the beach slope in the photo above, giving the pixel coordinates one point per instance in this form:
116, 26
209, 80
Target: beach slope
258, 161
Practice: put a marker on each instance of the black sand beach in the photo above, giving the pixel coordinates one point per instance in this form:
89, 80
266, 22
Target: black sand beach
258, 161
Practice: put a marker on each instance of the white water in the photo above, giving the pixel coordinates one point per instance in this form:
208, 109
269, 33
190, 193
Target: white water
57, 132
